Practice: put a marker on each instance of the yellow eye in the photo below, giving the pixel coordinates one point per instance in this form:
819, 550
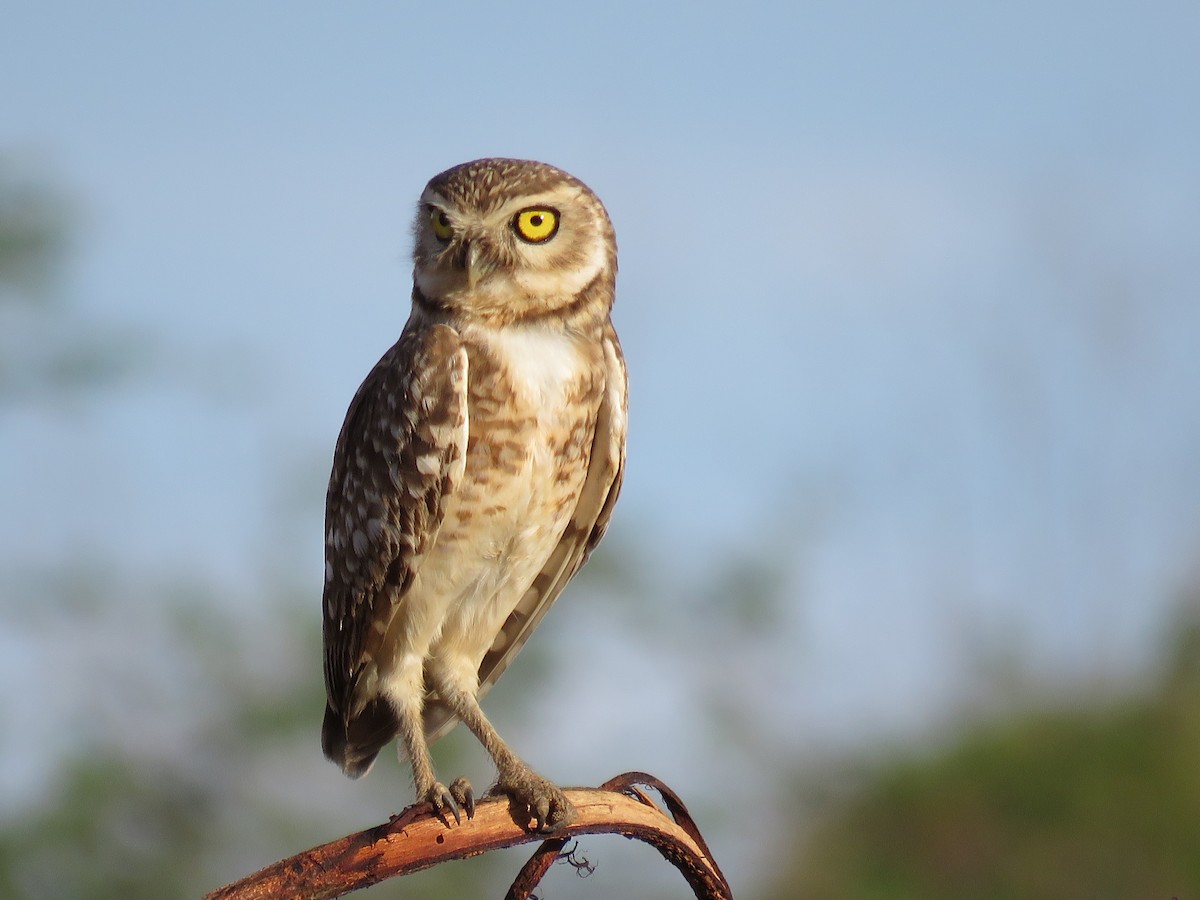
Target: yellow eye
536, 224
440, 222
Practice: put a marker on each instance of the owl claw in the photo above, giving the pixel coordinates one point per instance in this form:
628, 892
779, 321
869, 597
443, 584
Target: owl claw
540, 800
463, 796
442, 802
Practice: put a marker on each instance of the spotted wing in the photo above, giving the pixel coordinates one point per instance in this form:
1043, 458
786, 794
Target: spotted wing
400, 453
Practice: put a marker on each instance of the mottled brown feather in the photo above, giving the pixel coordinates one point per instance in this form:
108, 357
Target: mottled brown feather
382, 512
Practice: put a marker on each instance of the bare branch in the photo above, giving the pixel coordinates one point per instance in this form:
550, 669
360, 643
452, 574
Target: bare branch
416, 839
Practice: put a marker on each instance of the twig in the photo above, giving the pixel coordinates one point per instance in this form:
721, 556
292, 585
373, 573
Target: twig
416, 839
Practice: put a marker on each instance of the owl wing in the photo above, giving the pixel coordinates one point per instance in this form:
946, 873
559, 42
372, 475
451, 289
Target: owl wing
588, 523
400, 453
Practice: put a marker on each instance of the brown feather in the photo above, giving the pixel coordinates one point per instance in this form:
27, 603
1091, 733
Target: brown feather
382, 511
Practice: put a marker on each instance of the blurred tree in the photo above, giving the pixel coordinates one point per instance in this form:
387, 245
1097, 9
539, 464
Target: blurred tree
164, 803
44, 353
33, 230
1088, 801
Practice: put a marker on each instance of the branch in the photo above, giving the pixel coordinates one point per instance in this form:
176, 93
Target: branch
417, 839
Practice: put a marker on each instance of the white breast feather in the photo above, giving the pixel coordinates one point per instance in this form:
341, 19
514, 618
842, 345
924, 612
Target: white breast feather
541, 363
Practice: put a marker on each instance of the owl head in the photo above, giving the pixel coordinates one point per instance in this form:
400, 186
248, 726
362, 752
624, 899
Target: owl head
508, 239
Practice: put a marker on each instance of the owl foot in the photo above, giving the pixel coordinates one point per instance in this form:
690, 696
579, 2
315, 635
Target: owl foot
535, 798
455, 800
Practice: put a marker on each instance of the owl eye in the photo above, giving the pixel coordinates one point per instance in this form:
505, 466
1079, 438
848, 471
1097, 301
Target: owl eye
440, 222
536, 224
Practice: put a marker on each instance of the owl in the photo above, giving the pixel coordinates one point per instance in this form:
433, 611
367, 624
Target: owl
477, 468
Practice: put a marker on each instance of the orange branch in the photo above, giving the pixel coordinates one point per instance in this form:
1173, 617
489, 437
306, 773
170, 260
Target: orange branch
416, 839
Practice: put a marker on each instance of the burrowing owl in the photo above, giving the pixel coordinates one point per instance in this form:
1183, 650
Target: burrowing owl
476, 470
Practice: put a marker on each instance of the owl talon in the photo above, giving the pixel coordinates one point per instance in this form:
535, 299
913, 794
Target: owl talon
442, 800
463, 796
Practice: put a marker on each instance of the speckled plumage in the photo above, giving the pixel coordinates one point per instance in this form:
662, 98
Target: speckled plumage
477, 468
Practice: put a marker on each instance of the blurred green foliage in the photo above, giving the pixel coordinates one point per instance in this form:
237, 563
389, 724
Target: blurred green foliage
1095, 800
34, 221
45, 353
111, 829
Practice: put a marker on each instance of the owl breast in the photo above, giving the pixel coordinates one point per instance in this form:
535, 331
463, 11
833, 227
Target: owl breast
533, 399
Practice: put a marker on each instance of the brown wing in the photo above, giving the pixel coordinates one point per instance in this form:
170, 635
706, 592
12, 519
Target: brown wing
401, 451
606, 468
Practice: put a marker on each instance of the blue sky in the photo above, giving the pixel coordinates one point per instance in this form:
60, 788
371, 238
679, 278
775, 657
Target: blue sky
908, 291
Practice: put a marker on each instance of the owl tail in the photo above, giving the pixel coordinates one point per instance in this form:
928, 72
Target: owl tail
355, 743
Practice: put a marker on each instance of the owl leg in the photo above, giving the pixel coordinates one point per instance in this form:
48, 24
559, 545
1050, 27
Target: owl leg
451, 801
540, 799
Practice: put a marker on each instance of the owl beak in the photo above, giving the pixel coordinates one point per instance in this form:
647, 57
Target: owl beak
479, 265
